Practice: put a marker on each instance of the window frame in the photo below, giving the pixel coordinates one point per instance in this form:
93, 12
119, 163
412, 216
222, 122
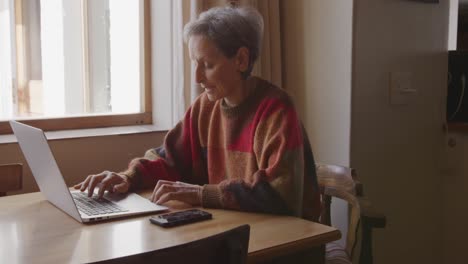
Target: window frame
92, 120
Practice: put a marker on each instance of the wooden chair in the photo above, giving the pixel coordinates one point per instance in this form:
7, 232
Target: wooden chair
341, 182
10, 178
229, 247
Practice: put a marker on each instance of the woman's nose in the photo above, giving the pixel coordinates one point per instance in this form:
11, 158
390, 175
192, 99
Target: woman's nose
199, 76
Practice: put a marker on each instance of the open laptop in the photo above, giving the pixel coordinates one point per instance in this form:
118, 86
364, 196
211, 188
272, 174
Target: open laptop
84, 209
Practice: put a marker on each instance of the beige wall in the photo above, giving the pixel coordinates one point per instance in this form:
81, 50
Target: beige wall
316, 53
78, 158
397, 148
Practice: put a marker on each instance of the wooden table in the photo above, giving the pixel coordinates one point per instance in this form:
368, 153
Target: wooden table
34, 231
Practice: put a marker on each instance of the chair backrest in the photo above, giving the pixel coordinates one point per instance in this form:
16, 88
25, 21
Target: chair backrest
229, 247
10, 178
340, 182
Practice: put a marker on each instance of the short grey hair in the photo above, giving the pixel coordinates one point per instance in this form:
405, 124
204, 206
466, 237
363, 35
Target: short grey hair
230, 28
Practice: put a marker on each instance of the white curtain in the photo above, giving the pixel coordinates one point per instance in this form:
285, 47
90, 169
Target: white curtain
268, 65
178, 72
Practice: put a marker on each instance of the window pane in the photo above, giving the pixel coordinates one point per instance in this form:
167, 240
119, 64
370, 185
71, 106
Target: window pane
70, 58
6, 66
124, 49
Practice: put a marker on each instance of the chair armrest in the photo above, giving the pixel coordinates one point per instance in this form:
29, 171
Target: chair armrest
370, 216
359, 188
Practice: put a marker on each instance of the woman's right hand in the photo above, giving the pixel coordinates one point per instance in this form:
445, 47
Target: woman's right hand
105, 181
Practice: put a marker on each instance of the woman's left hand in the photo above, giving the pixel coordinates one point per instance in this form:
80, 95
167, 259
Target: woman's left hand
167, 191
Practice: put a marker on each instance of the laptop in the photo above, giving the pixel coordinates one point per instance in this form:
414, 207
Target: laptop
84, 209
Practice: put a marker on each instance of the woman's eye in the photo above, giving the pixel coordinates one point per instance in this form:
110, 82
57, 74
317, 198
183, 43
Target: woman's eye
208, 65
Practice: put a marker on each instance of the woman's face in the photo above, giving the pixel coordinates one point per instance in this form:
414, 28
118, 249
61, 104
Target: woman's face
218, 75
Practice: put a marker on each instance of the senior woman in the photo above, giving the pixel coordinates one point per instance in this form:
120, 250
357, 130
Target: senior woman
240, 144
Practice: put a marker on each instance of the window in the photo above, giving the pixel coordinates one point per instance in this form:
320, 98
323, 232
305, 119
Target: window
75, 64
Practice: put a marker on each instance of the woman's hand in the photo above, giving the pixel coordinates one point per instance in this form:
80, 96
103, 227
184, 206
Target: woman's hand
167, 190
106, 181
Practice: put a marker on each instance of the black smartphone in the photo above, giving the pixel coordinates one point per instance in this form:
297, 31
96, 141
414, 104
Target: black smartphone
180, 218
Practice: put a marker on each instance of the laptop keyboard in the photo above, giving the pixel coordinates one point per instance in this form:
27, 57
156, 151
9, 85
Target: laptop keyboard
93, 206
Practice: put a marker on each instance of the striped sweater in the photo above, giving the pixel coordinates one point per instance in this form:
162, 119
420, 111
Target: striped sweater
249, 157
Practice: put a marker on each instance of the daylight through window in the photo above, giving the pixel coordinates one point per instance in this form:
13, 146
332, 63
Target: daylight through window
62, 58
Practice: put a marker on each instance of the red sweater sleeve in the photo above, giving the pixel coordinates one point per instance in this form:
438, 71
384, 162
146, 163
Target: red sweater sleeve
172, 161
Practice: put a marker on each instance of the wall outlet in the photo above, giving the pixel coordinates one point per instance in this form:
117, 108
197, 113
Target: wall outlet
402, 91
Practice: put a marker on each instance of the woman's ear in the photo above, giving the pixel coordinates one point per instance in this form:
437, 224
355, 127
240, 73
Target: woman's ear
242, 59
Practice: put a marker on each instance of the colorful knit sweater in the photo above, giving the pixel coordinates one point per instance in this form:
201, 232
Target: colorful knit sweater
249, 157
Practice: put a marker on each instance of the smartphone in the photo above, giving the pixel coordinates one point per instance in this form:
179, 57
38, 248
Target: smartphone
180, 218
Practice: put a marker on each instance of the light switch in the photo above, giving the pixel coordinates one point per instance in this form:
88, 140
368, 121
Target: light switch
401, 89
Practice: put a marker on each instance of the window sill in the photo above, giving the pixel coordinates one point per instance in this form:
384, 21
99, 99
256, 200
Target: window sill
93, 132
